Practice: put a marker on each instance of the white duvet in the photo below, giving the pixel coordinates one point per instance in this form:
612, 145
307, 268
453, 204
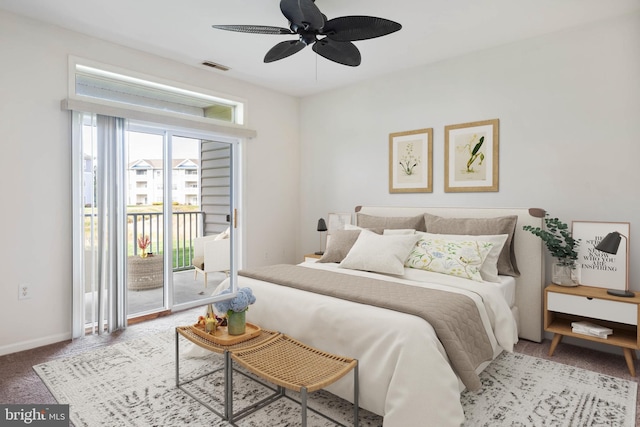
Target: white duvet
404, 371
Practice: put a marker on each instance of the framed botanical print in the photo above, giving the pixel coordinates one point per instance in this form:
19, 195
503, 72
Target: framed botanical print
471, 156
410, 161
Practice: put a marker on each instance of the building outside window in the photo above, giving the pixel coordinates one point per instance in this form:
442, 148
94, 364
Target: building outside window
185, 183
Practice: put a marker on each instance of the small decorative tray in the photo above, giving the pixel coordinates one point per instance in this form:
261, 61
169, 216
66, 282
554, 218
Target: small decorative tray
222, 337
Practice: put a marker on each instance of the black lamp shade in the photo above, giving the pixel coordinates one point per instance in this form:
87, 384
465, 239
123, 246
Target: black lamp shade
322, 226
610, 243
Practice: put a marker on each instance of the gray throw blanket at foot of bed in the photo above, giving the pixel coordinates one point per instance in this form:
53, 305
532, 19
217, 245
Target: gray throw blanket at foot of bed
454, 317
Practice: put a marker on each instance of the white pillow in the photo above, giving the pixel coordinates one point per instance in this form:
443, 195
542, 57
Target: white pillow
396, 231
224, 235
458, 258
379, 253
489, 269
352, 227
384, 231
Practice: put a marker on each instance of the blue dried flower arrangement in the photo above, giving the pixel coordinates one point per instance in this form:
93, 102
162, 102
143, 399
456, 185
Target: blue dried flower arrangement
240, 303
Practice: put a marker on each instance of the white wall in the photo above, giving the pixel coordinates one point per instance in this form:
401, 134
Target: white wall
569, 110
568, 104
35, 177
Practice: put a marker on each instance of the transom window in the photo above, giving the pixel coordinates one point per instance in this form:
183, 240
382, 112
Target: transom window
101, 84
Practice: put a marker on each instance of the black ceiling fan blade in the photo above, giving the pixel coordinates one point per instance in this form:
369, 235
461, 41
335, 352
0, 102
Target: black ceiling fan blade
302, 13
255, 29
284, 49
352, 28
345, 53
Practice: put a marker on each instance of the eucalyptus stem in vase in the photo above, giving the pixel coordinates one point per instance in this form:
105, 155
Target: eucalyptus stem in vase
562, 246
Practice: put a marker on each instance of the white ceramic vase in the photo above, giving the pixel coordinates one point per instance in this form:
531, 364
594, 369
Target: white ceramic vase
565, 275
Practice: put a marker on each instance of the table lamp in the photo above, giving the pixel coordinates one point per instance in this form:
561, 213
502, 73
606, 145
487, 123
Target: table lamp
322, 226
610, 245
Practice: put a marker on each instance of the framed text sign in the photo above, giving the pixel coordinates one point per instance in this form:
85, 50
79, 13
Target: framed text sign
599, 268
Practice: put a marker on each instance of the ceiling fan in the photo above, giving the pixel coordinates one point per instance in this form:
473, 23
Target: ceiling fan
306, 20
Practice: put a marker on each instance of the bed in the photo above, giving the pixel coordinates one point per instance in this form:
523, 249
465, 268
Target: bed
410, 373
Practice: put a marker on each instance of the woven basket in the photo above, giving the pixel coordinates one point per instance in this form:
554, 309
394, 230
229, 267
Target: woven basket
144, 273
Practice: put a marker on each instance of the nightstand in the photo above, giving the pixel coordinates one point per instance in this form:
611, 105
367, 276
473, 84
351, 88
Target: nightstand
563, 305
312, 257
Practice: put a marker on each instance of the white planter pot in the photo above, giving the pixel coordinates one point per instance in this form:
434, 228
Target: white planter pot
565, 275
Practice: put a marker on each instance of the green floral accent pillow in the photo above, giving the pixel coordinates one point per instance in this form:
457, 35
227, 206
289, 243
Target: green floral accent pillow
455, 258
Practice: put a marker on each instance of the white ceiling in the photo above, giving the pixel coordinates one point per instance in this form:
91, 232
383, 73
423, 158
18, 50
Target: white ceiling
433, 30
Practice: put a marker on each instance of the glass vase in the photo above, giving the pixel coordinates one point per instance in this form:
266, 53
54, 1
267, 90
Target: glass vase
236, 322
565, 274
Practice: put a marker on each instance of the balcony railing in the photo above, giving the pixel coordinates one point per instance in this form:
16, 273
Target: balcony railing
186, 226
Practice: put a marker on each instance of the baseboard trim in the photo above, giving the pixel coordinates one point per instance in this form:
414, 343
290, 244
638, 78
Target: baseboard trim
31, 344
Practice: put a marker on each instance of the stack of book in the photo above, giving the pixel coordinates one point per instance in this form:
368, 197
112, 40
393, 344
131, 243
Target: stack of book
591, 329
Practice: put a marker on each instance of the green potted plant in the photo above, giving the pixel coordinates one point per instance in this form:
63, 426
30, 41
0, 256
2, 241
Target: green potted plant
562, 246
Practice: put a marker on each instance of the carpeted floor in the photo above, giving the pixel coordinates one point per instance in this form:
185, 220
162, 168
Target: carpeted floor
19, 383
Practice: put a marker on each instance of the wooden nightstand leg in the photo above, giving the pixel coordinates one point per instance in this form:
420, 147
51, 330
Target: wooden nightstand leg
629, 356
554, 343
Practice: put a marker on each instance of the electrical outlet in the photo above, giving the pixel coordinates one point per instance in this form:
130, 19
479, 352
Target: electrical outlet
24, 291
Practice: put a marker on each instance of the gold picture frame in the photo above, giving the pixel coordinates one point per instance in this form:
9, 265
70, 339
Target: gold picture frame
471, 155
411, 161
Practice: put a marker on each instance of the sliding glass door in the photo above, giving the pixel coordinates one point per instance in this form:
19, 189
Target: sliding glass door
145, 205
170, 187
202, 205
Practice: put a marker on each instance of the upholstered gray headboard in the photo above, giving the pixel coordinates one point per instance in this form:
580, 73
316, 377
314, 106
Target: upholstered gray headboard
528, 250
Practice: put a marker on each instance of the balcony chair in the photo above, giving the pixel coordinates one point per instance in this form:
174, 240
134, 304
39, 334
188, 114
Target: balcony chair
211, 254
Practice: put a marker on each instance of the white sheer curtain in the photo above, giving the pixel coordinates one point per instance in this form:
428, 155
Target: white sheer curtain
99, 292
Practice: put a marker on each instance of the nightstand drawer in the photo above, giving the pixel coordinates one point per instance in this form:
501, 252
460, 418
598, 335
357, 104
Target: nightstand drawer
613, 311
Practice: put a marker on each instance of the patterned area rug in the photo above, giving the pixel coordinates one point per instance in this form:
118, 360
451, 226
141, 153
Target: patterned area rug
520, 390
133, 384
